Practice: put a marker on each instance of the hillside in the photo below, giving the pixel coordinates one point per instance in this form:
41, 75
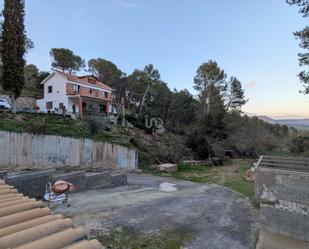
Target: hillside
153, 149
301, 124
267, 119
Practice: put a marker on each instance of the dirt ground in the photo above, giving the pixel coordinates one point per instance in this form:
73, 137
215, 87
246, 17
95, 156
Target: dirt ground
196, 216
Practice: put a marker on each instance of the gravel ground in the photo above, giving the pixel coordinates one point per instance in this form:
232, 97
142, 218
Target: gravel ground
214, 216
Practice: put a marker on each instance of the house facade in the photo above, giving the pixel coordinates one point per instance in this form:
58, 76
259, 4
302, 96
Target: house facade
71, 94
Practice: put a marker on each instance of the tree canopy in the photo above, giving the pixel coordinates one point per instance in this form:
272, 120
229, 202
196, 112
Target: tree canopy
105, 70
65, 60
236, 95
33, 78
302, 4
208, 76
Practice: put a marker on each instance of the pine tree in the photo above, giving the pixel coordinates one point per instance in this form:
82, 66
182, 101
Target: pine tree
13, 48
207, 75
302, 4
236, 98
303, 36
65, 60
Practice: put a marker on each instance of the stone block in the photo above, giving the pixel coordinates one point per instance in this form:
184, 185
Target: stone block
167, 167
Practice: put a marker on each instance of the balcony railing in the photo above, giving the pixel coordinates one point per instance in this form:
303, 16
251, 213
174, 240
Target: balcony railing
87, 92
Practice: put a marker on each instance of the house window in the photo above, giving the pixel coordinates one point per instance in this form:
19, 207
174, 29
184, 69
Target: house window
90, 91
50, 89
105, 95
49, 105
61, 106
75, 88
91, 81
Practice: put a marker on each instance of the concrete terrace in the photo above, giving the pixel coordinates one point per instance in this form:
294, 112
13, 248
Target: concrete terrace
214, 217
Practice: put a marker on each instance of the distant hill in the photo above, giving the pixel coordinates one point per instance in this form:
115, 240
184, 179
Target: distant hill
293, 121
301, 124
267, 119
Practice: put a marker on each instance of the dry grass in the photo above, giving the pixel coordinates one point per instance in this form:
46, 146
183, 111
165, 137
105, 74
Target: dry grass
230, 175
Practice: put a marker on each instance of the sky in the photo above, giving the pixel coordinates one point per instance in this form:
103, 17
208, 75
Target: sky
251, 40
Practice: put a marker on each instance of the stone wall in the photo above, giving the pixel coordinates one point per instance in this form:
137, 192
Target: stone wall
22, 103
29, 151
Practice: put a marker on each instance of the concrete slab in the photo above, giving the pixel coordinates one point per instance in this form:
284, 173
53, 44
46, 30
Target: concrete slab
215, 217
268, 240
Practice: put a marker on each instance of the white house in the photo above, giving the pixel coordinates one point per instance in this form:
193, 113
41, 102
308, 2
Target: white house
64, 92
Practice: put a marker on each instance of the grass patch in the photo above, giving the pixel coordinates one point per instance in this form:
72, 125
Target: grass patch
113, 138
129, 239
243, 187
53, 124
230, 175
50, 124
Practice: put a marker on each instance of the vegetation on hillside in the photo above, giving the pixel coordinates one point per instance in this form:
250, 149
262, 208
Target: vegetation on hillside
152, 148
43, 124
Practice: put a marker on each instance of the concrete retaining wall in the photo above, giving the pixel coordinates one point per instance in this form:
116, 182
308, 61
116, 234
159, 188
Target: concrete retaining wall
284, 198
272, 185
23, 150
33, 183
285, 222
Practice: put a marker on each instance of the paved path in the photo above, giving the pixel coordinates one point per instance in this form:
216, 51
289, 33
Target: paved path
217, 218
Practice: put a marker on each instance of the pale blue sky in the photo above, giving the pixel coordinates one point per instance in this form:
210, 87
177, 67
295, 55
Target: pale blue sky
250, 39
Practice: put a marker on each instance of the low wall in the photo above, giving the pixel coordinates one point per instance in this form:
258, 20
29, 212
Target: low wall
23, 150
282, 189
33, 184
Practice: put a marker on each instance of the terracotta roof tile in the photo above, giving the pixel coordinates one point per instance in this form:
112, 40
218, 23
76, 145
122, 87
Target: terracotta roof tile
84, 80
26, 224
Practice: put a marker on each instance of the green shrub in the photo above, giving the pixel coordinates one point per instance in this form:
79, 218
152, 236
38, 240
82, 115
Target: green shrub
37, 128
